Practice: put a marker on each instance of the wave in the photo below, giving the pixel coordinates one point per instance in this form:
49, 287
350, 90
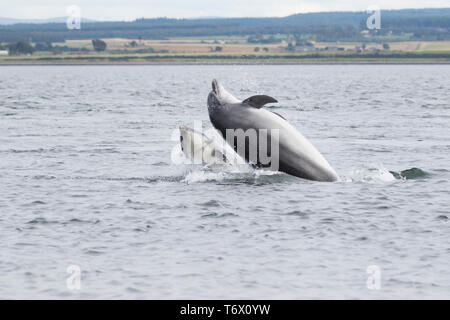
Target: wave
378, 173
207, 174
413, 173
237, 175
370, 174
374, 173
245, 174
202, 176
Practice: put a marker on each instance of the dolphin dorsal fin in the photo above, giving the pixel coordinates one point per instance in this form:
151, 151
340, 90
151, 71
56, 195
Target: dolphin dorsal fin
259, 101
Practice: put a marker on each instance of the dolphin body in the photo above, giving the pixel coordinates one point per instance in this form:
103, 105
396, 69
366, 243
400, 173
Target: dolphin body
297, 156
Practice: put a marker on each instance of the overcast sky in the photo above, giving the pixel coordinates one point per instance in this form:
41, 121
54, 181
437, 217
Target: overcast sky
132, 9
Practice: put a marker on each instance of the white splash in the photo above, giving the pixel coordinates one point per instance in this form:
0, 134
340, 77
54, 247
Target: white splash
203, 176
374, 173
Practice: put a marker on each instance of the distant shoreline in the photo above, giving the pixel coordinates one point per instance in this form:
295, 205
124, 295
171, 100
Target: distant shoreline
69, 62
198, 52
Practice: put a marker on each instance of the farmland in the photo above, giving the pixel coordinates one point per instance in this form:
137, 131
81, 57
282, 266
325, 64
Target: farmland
235, 50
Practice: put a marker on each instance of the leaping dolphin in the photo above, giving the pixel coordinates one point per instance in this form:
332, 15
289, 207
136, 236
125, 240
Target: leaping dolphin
296, 155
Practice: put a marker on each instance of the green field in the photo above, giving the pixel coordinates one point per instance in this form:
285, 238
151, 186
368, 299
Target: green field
237, 50
230, 58
440, 46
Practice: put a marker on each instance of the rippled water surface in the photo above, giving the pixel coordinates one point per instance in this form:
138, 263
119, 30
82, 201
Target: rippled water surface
87, 179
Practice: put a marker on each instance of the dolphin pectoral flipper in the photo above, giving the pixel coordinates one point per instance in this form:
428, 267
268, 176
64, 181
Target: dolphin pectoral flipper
259, 101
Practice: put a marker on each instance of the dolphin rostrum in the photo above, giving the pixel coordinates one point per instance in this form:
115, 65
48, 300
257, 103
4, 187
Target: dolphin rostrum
283, 143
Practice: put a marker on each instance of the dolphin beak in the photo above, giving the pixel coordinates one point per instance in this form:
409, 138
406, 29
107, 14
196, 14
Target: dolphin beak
215, 87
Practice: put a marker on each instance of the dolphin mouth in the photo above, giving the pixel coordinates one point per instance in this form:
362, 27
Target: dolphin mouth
221, 94
215, 87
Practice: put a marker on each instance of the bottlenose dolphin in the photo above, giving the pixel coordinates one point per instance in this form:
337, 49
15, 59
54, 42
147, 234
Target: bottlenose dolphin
200, 149
296, 155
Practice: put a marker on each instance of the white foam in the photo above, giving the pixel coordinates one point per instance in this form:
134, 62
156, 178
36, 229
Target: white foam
374, 173
203, 176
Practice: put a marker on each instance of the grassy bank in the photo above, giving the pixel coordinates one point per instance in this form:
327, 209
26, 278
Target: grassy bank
200, 51
211, 58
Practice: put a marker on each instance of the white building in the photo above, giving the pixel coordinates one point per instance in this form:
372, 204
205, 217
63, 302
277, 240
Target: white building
3, 52
304, 48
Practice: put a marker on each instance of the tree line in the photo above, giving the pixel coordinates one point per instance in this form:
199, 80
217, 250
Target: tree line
22, 47
418, 24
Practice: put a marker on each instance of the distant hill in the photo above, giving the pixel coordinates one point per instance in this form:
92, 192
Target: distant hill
11, 21
407, 24
354, 18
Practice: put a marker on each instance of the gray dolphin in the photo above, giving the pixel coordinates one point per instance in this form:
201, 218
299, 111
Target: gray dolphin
296, 155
